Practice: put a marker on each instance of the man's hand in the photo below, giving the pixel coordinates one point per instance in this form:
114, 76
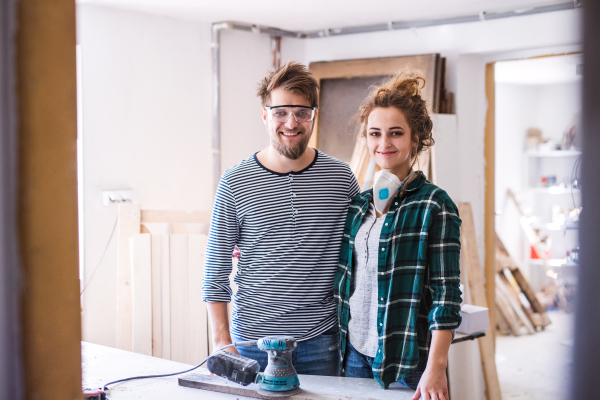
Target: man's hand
218, 345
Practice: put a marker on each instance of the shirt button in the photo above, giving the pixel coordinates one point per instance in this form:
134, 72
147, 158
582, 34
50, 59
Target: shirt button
379, 351
396, 203
381, 299
296, 211
293, 194
291, 178
380, 324
383, 249
386, 224
381, 273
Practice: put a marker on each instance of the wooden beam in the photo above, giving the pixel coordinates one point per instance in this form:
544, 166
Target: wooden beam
489, 145
470, 256
47, 208
180, 332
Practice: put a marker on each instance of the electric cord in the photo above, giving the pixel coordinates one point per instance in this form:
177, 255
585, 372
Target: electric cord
101, 257
245, 343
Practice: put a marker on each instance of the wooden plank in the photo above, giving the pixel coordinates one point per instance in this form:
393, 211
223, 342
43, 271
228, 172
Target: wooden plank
179, 298
531, 296
515, 305
174, 216
198, 318
129, 224
141, 283
507, 313
165, 263
156, 241
489, 150
470, 255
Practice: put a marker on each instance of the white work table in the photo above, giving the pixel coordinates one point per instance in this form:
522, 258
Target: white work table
103, 364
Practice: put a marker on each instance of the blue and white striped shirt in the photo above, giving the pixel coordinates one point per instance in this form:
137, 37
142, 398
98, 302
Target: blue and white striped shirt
288, 228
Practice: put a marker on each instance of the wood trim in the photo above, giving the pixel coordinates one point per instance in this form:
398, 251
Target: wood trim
489, 153
48, 227
172, 217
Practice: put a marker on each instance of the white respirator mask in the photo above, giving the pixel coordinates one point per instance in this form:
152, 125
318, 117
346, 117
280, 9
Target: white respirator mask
385, 188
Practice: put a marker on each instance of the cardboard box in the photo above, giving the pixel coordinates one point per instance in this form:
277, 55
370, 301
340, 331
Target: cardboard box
474, 319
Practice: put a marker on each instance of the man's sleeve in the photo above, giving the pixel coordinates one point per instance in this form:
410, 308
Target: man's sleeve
222, 237
354, 189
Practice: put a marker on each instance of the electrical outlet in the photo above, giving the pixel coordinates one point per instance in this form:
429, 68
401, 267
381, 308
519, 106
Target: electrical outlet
117, 196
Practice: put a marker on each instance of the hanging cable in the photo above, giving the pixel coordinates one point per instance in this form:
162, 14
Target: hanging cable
101, 257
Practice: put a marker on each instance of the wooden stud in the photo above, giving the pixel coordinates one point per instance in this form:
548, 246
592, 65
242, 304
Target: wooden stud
489, 203
141, 284
531, 296
165, 263
470, 255
507, 313
179, 298
129, 224
198, 318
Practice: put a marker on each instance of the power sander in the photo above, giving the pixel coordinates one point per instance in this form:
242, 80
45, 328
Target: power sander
278, 379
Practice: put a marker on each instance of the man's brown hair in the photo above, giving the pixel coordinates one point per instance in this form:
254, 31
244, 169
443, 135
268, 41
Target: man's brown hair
293, 77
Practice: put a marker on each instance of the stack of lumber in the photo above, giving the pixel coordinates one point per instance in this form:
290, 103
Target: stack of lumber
518, 309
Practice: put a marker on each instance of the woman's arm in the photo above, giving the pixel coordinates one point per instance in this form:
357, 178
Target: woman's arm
434, 384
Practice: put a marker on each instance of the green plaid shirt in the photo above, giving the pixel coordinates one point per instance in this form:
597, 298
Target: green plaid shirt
418, 275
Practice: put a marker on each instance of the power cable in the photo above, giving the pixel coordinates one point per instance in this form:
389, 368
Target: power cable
101, 257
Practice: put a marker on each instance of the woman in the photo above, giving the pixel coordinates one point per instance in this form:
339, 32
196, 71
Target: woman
397, 283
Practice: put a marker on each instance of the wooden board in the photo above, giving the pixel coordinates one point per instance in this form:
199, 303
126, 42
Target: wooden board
141, 283
128, 224
198, 318
514, 304
170, 217
179, 297
161, 320
531, 296
470, 255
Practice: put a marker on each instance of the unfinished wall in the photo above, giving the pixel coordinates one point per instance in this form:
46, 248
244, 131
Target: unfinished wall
146, 84
467, 48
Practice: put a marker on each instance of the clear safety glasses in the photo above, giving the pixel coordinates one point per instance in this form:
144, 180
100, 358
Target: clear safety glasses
282, 113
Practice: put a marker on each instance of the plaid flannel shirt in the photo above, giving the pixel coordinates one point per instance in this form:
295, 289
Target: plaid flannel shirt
418, 275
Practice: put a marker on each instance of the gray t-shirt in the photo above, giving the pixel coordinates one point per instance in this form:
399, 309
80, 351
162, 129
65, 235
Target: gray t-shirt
362, 327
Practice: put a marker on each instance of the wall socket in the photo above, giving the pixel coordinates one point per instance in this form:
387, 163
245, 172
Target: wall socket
116, 196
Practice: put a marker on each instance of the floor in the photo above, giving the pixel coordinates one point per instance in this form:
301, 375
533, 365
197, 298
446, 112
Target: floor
536, 367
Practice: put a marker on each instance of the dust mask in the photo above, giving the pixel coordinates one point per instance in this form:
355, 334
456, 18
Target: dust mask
385, 188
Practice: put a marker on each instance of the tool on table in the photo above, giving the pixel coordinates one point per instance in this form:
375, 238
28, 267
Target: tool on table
279, 378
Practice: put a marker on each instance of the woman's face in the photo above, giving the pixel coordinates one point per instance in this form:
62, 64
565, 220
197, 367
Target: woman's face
389, 140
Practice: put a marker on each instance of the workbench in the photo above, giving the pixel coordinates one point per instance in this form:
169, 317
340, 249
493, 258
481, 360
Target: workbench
103, 364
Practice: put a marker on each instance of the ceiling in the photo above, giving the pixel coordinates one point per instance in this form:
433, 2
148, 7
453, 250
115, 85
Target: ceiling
312, 15
540, 71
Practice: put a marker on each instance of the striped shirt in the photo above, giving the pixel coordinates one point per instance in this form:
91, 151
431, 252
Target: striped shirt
418, 275
289, 229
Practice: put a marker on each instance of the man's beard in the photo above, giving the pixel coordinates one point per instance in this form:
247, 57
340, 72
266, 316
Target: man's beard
293, 152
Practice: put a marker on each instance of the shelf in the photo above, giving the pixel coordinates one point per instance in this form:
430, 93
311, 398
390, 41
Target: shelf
555, 227
555, 262
554, 190
554, 153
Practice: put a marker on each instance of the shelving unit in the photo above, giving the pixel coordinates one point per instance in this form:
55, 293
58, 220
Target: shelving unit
544, 202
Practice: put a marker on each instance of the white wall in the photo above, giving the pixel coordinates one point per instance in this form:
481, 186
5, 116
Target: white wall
467, 48
146, 126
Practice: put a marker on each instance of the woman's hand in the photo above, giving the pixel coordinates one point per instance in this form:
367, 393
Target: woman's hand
433, 385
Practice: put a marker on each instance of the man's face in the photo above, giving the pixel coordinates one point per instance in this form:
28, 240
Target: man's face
289, 138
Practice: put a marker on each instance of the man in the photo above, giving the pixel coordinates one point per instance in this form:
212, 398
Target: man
285, 209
